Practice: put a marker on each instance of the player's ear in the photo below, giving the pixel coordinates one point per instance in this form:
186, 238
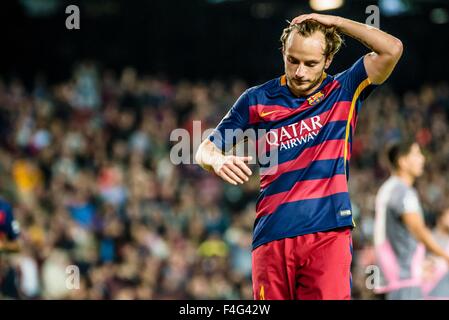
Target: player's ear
328, 61
402, 162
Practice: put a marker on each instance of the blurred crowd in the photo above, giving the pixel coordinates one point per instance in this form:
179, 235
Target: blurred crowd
86, 165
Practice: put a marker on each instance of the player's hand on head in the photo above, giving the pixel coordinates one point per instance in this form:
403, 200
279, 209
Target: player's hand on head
327, 20
233, 169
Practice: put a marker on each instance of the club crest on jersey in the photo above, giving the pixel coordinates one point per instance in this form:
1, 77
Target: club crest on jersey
316, 98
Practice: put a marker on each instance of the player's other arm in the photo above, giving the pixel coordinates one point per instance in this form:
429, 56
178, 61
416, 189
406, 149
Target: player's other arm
387, 49
230, 168
210, 154
415, 224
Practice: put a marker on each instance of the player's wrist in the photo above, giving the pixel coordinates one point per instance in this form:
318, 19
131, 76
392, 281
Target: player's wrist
338, 22
217, 162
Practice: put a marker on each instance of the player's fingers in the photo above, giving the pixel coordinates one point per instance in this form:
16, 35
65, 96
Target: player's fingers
226, 178
242, 165
236, 170
248, 158
298, 19
232, 174
303, 18
294, 20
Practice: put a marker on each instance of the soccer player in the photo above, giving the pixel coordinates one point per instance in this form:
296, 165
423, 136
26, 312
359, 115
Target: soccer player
9, 228
400, 235
302, 245
9, 233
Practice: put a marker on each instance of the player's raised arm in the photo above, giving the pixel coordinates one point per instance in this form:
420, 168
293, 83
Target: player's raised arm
386, 48
230, 168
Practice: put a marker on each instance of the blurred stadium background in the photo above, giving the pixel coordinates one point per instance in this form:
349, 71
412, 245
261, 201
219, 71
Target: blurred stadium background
85, 119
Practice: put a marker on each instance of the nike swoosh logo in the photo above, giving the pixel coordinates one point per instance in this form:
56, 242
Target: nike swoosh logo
263, 114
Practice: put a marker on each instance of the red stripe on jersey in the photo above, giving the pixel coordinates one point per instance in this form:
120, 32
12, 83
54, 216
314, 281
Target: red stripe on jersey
328, 150
263, 113
303, 190
338, 112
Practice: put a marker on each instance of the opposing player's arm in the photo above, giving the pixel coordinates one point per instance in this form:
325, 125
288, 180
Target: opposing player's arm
386, 49
230, 168
415, 224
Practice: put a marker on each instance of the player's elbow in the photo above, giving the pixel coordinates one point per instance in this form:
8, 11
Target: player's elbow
396, 49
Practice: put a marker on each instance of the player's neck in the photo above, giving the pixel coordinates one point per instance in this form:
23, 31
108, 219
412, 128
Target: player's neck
407, 178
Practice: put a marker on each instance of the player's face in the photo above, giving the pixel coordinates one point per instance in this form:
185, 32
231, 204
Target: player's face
304, 62
414, 161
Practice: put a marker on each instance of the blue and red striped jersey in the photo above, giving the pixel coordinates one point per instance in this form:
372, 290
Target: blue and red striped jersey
306, 189
9, 228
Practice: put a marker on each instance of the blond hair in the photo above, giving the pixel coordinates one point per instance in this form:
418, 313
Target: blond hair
307, 28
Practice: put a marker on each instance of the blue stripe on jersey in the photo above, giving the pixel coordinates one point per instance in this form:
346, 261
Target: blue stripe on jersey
306, 114
330, 131
308, 216
271, 93
320, 169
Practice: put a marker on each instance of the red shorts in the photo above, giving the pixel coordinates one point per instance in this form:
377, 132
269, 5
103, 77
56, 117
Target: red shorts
309, 267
